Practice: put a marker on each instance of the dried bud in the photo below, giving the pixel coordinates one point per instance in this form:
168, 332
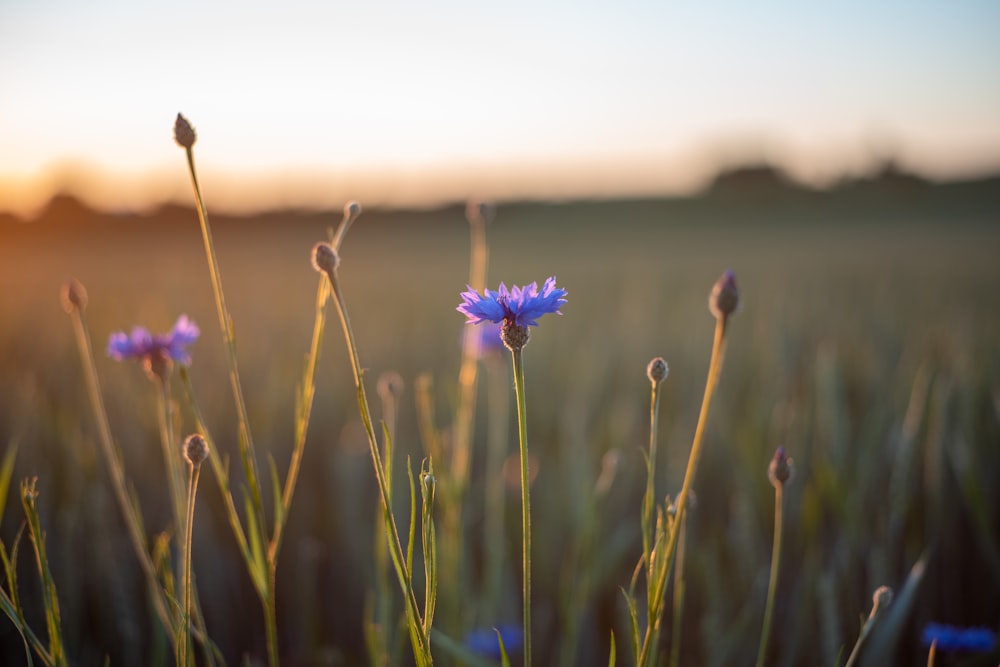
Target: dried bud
324, 258
183, 132
514, 336
73, 296
781, 468
480, 212
352, 210
725, 296
195, 449
657, 370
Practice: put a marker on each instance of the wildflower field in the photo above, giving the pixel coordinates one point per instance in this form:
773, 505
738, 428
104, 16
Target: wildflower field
866, 344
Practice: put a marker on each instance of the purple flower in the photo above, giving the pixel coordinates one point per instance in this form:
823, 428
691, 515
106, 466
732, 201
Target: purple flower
143, 346
483, 641
520, 306
951, 638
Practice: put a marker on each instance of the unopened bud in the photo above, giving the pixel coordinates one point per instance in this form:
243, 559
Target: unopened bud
324, 258
657, 370
195, 449
73, 296
781, 468
390, 386
725, 296
183, 132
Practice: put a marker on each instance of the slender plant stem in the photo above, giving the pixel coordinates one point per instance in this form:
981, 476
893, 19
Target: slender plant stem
772, 584
647, 654
115, 469
649, 501
418, 637
226, 324
675, 639
171, 453
184, 656
525, 500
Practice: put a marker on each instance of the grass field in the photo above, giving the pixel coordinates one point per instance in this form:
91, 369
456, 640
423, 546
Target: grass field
867, 344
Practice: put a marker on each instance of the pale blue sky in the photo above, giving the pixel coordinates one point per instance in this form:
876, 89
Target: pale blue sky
390, 100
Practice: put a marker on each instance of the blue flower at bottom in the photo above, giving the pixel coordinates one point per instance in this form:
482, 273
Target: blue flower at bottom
951, 638
520, 306
142, 345
483, 641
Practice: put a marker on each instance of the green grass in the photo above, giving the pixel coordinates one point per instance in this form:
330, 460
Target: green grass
868, 345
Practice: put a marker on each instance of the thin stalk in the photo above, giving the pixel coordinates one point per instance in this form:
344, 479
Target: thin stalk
647, 654
170, 454
772, 584
675, 639
418, 637
498, 387
184, 655
248, 455
649, 501
525, 499
117, 473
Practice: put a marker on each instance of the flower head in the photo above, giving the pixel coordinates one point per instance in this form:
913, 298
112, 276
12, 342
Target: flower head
781, 468
485, 641
519, 306
951, 638
144, 346
195, 449
184, 134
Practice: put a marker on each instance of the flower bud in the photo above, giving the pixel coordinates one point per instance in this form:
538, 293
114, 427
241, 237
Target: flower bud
195, 449
183, 132
73, 296
352, 210
657, 370
725, 296
324, 258
781, 468
389, 386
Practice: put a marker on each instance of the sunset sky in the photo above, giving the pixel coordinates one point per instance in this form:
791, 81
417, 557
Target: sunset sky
311, 104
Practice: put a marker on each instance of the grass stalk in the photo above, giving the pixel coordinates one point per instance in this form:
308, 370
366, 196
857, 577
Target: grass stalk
184, 655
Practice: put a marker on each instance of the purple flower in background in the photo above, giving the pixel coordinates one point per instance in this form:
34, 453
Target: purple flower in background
520, 306
951, 638
483, 641
144, 346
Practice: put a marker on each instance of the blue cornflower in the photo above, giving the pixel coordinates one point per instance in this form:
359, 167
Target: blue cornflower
520, 306
144, 346
483, 641
951, 638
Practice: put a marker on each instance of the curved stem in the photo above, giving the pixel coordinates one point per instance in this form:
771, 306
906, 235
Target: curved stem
184, 656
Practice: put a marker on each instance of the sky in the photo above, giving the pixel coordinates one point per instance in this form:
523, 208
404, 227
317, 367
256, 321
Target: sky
403, 103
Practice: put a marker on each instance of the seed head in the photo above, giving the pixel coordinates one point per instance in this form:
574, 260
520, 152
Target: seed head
195, 449
183, 132
781, 468
881, 598
725, 296
324, 258
657, 370
73, 296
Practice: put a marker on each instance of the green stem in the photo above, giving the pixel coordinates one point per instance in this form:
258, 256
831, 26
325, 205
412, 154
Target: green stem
171, 454
647, 654
226, 324
116, 470
649, 501
525, 500
675, 639
184, 657
772, 584
419, 639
